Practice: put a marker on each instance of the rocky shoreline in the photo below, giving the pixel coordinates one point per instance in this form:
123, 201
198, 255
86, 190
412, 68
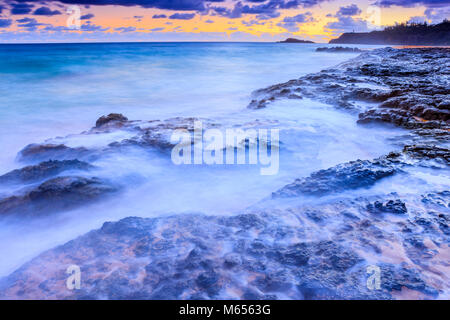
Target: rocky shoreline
284, 247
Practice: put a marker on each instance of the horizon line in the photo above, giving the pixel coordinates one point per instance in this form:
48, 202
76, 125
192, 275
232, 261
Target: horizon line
93, 42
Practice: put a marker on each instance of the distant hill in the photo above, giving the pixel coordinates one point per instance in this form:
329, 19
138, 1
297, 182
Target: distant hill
402, 34
293, 40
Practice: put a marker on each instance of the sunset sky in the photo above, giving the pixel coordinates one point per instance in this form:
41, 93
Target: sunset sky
202, 20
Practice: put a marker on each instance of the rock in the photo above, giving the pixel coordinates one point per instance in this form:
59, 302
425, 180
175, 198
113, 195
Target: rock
191, 256
56, 194
360, 173
297, 255
348, 176
339, 49
394, 278
293, 40
46, 152
408, 86
392, 206
427, 152
43, 170
111, 119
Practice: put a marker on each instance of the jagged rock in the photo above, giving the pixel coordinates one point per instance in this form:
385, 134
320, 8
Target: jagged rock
155, 134
56, 194
43, 170
427, 152
111, 119
394, 278
347, 176
360, 173
191, 266
392, 206
250, 255
410, 87
339, 49
45, 152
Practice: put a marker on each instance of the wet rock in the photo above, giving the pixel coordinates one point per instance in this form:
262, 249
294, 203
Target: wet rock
273, 282
391, 206
112, 119
208, 281
203, 265
409, 88
339, 49
315, 215
395, 278
348, 176
43, 170
337, 257
56, 194
315, 290
427, 152
45, 152
438, 199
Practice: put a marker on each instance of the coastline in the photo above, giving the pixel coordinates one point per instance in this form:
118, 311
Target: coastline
279, 265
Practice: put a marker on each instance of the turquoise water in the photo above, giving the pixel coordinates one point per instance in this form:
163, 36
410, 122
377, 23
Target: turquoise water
59, 89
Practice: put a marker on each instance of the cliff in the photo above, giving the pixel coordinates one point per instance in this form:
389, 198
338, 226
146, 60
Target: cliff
403, 34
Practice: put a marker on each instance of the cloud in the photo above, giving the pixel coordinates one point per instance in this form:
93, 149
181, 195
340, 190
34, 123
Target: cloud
30, 24
291, 23
346, 21
436, 15
25, 20
264, 10
432, 15
347, 24
125, 29
159, 16
87, 16
252, 23
417, 19
209, 21
21, 8
56, 28
1, 9
46, 11
234, 13
92, 27
268, 16
180, 5
156, 29
5, 23
413, 3
182, 16
350, 10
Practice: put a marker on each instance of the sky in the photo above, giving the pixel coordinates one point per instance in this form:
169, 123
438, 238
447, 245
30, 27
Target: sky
205, 20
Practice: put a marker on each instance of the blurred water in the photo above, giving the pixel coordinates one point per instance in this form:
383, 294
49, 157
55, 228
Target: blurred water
56, 89
59, 89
